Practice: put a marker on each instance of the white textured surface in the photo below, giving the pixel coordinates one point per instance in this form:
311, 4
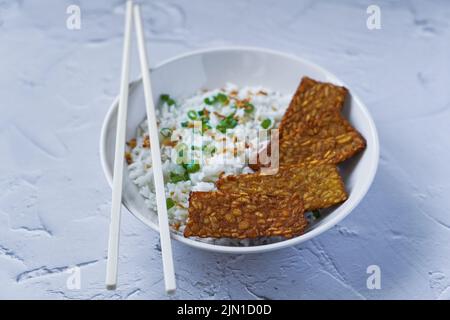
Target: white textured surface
57, 84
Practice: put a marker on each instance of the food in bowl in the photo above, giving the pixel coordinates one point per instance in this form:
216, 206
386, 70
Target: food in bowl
225, 115
319, 185
245, 215
313, 129
222, 196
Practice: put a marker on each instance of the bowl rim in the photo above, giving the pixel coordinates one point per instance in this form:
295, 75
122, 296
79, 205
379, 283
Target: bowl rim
371, 172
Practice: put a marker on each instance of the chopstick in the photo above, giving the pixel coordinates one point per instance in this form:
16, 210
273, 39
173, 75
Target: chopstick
114, 227
163, 221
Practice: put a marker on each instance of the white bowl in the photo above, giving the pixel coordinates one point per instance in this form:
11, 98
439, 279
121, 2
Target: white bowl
183, 75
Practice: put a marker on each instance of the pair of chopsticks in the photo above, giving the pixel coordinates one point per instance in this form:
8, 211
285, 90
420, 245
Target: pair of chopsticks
114, 228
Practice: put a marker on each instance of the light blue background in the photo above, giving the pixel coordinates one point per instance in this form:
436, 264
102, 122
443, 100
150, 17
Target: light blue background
56, 86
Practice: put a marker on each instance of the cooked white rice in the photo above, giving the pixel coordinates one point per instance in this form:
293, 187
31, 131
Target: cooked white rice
264, 108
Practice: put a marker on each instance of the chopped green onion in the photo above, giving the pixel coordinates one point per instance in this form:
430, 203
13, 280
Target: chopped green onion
209, 149
219, 98
182, 153
191, 167
221, 129
170, 203
222, 98
266, 123
185, 124
204, 118
227, 123
192, 115
205, 127
249, 107
316, 214
166, 132
167, 99
177, 177
208, 101
232, 122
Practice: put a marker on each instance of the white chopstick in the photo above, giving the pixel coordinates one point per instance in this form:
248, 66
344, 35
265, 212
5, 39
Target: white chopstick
166, 248
114, 227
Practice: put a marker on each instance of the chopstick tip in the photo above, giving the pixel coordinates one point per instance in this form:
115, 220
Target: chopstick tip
111, 286
171, 291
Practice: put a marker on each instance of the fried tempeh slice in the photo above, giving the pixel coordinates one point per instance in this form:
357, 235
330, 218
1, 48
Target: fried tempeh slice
313, 129
313, 105
229, 215
321, 150
320, 186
